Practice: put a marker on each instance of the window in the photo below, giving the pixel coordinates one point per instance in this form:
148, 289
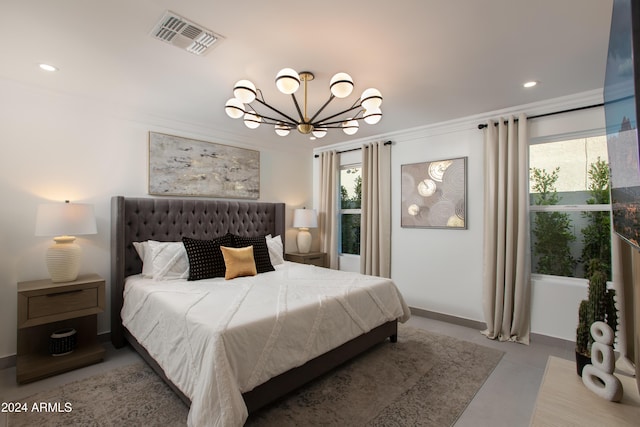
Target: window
350, 202
569, 206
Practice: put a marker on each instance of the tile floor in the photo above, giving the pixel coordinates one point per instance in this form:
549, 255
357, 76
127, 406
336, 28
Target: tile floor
506, 399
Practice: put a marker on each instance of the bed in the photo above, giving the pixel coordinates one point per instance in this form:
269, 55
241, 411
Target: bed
321, 349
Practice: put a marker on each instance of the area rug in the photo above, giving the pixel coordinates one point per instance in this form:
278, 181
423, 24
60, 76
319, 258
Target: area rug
424, 379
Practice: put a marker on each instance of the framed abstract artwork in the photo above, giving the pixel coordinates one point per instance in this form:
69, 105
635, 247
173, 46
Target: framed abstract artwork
434, 194
188, 167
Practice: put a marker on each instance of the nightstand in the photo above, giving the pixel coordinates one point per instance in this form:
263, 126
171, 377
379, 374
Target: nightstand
313, 258
45, 307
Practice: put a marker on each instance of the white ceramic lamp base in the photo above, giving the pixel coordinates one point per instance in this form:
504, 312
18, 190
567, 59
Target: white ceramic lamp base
304, 241
63, 259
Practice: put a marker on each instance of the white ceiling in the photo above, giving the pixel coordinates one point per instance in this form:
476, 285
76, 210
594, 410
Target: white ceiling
433, 60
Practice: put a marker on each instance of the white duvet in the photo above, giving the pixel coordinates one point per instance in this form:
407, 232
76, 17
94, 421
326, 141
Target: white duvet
216, 339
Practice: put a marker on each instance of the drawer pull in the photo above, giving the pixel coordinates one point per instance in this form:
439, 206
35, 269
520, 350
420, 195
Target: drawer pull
57, 294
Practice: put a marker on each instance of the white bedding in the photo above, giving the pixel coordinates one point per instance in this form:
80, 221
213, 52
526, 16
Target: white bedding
216, 339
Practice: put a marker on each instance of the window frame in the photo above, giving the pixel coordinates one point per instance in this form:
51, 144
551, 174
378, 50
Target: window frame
346, 211
600, 132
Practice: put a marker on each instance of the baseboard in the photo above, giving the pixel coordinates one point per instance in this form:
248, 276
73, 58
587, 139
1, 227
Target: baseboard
10, 361
474, 324
7, 362
460, 321
546, 339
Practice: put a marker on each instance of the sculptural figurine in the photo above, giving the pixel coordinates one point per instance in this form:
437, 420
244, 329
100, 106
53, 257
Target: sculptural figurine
598, 376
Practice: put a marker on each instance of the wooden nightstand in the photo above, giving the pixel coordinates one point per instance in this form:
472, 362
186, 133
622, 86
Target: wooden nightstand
45, 307
313, 258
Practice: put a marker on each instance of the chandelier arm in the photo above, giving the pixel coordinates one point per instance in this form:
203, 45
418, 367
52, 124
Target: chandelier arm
272, 121
295, 102
277, 111
342, 120
331, 97
338, 114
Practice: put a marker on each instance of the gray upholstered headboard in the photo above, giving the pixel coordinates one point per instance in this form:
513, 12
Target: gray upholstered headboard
140, 219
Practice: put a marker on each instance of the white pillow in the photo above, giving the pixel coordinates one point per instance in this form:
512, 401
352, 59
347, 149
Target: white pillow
276, 249
140, 247
164, 260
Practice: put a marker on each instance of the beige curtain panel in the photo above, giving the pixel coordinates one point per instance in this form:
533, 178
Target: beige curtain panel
327, 220
507, 276
375, 225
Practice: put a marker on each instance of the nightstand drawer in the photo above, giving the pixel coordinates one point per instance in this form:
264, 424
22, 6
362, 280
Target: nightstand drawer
62, 302
313, 258
40, 301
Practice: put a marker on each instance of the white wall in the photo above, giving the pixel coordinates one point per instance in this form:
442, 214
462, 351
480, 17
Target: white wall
57, 147
441, 270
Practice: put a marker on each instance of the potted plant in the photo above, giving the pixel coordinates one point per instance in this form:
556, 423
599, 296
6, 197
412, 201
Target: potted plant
600, 306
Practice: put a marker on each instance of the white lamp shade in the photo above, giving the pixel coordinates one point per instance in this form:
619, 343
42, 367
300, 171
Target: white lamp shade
341, 85
287, 81
305, 218
251, 120
371, 98
319, 132
245, 91
234, 108
350, 126
372, 116
65, 219
282, 129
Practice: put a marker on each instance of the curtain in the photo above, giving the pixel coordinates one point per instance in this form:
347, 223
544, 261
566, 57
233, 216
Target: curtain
507, 270
622, 255
327, 214
375, 225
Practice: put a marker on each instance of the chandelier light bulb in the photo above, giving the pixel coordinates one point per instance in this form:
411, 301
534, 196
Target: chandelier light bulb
371, 98
282, 129
341, 85
234, 108
287, 81
350, 126
319, 132
372, 116
245, 91
252, 120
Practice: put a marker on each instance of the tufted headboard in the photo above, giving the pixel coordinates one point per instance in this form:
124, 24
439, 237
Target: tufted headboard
140, 219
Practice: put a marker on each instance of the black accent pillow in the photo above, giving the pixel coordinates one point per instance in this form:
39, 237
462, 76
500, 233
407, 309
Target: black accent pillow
205, 257
260, 251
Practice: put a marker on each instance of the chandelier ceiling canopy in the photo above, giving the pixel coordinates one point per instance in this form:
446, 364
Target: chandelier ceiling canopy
366, 108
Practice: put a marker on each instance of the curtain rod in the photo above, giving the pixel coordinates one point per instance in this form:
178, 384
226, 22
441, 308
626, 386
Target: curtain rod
353, 149
484, 125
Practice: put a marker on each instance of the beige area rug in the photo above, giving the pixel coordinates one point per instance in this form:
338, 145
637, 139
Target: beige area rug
425, 379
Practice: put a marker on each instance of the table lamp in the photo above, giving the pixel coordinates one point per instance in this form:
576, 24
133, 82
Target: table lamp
65, 221
304, 219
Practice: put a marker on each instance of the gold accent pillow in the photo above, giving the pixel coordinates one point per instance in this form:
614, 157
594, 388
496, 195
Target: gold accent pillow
239, 262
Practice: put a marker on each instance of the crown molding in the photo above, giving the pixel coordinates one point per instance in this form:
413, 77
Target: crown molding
469, 123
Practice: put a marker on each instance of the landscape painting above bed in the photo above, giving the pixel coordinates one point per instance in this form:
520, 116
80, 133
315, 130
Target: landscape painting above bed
188, 167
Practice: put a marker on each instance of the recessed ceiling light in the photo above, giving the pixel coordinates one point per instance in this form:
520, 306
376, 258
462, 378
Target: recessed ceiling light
48, 67
532, 83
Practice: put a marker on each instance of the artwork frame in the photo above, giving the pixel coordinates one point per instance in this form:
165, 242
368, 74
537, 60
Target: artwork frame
434, 194
180, 166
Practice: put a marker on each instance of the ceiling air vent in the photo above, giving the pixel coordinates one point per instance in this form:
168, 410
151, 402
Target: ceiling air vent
180, 32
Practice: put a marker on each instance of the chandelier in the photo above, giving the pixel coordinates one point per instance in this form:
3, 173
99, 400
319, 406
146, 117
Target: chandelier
366, 108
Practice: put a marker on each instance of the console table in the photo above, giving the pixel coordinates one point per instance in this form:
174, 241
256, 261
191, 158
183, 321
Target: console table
563, 400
